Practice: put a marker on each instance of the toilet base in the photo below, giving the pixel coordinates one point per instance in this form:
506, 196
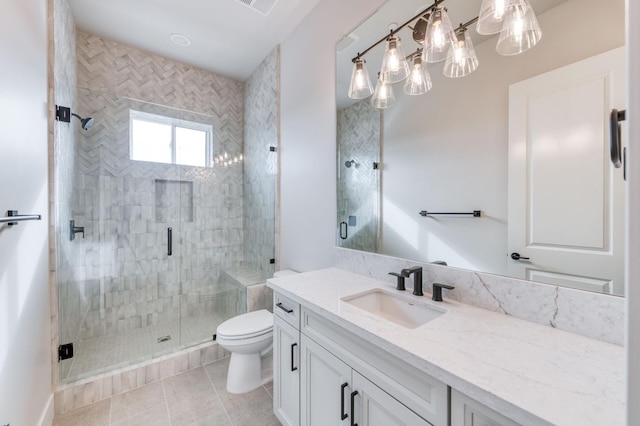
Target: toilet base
245, 373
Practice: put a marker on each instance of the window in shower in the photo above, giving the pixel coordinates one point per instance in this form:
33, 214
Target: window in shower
162, 139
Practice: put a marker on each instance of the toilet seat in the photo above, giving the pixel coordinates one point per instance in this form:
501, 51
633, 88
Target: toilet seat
245, 326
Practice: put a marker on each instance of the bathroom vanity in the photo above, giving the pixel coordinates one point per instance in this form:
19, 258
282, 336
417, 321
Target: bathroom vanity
345, 353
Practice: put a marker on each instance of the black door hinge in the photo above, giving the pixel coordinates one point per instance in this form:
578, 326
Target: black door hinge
65, 351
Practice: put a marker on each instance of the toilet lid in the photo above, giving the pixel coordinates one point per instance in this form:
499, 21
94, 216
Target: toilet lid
247, 325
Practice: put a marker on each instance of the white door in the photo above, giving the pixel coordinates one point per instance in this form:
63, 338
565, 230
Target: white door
286, 372
325, 387
566, 200
374, 407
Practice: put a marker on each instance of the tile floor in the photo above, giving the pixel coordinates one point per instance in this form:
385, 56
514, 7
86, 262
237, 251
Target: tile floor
99, 354
195, 397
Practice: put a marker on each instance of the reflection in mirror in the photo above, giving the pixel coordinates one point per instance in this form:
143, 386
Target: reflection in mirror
524, 139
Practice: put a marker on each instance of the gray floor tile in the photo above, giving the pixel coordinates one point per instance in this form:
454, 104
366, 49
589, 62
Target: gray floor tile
149, 398
252, 408
157, 416
191, 398
92, 415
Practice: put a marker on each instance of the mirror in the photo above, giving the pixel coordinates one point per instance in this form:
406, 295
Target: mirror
459, 148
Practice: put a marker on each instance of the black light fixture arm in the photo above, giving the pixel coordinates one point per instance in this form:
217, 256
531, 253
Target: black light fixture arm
418, 16
393, 32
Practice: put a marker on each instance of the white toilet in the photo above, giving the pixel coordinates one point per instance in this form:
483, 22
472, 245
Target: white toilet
249, 338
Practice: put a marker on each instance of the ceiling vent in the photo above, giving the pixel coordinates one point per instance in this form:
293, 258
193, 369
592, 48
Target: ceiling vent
262, 6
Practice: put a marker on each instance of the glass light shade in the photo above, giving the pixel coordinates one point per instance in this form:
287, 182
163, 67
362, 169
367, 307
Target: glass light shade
419, 80
439, 36
462, 59
493, 12
394, 65
360, 86
383, 96
520, 32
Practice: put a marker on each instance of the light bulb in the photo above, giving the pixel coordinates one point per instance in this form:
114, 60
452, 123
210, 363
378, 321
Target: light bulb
419, 81
498, 12
394, 65
517, 26
360, 86
439, 36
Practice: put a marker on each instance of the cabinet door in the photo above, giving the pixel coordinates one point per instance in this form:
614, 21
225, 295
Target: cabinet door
468, 412
374, 407
325, 386
286, 372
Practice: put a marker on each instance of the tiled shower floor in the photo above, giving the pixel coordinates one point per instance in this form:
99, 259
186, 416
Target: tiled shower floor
99, 354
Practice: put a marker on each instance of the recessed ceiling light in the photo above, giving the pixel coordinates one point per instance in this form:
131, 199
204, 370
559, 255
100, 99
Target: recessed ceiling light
180, 39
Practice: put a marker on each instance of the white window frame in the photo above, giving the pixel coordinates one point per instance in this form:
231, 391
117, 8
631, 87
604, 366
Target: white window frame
174, 123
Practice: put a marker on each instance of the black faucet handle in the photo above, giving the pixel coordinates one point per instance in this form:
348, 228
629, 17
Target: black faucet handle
400, 282
408, 271
437, 291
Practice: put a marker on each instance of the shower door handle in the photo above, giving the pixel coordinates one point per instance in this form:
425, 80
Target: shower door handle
344, 235
169, 241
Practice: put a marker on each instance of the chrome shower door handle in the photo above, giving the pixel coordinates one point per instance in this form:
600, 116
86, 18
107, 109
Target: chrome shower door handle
169, 241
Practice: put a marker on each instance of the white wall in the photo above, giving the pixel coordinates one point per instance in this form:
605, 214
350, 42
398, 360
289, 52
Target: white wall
447, 150
25, 352
308, 133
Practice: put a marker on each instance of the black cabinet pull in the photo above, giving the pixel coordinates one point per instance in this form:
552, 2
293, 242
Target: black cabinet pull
344, 232
284, 308
169, 241
353, 403
293, 367
343, 415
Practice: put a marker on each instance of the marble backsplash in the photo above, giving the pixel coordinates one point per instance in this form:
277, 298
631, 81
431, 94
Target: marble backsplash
593, 315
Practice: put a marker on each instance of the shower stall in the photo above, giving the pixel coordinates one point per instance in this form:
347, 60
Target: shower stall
165, 218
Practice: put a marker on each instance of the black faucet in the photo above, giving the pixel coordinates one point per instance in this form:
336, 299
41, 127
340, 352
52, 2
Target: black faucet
400, 282
437, 291
417, 278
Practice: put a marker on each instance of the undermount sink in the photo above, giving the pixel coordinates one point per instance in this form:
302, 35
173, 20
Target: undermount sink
403, 310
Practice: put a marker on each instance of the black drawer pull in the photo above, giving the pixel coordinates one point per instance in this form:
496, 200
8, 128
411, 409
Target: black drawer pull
284, 308
343, 415
353, 404
293, 367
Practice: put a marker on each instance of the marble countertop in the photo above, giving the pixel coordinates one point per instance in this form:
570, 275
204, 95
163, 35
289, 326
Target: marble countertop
533, 374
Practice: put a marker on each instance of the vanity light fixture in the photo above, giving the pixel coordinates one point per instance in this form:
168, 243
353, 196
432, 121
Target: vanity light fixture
462, 59
439, 36
419, 80
383, 96
394, 64
515, 20
520, 32
360, 86
493, 12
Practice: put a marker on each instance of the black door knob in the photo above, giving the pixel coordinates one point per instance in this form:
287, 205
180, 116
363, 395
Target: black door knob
516, 256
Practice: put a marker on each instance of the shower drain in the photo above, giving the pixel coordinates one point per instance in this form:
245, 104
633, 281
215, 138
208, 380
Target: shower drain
164, 339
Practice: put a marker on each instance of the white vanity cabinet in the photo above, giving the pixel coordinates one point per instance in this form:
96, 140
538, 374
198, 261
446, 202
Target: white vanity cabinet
468, 412
334, 377
286, 363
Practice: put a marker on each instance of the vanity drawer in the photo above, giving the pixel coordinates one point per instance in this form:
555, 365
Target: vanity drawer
287, 309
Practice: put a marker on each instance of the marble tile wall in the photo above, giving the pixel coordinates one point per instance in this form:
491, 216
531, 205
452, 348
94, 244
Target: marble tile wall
358, 139
589, 314
260, 172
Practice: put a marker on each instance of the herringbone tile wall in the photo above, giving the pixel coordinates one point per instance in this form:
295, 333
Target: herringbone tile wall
358, 135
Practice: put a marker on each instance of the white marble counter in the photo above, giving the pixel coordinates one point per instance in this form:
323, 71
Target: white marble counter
533, 374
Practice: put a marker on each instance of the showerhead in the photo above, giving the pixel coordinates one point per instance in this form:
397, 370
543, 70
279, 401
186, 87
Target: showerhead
349, 163
86, 123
